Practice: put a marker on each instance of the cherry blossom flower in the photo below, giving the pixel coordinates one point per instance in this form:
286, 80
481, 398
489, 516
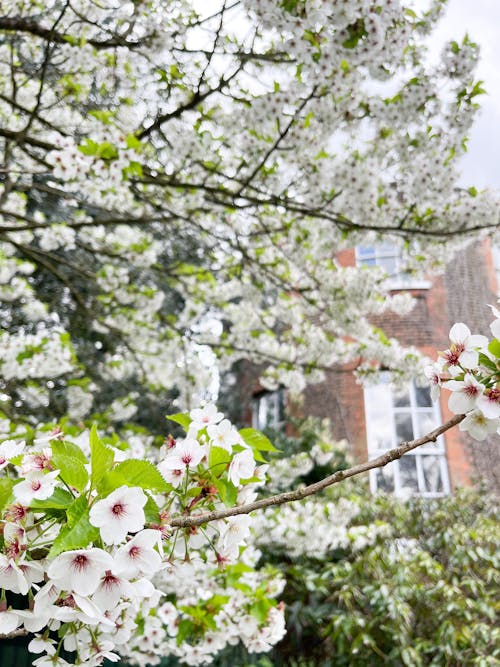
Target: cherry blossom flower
41, 644
478, 425
187, 454
203, 417
489, 402
241, 467
433, 372
36, 486
139, 556
233, 534
223, 435
119, 513
464, 394
463, 348
8, 450
81, 570
173, 477
18, 577
111, 589
9, 621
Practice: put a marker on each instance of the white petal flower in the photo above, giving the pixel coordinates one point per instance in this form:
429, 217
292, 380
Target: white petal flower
224, 435
479, 426
119, 513
139, 556
495, 328
171, 476
36, 486
9, 621
464, 346
202, 417
186, 454
241, 467
111, 589
80, 570
234, 532
8, 450
489, 403
464, 394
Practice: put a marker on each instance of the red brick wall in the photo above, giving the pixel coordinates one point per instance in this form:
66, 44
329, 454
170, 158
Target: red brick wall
461, 294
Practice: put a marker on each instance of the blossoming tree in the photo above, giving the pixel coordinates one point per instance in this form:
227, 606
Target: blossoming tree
176, 182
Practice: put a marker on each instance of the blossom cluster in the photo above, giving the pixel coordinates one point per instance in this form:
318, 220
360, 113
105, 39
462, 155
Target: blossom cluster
88, 543
172, 213
470, 370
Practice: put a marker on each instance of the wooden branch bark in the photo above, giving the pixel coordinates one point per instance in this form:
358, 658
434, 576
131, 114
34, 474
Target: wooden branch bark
312, 489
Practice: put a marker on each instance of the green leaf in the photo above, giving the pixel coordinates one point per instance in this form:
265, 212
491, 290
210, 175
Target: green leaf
260, 609
67, 448
182, 419
6, 485
184, 630
101, 457
257, 440
135, 472
72, 469
227, 491
486, 361
78, 532
494, 348
218, 459
60, 499
151, 511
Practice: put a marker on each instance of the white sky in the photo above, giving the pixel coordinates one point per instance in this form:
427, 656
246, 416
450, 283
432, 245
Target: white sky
481, 20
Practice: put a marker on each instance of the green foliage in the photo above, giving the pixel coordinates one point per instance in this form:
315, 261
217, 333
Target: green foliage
134, 472
102, 457
77, 533
424, 592
69, 460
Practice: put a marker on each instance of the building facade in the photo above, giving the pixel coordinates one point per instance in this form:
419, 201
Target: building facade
377, 418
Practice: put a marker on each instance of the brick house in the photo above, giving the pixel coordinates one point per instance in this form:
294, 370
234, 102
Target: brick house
377, 418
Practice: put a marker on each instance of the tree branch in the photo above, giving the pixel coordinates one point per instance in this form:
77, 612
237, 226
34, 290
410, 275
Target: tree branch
303, 492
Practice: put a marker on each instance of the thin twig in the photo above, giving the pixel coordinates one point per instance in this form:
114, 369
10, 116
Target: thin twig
303, 492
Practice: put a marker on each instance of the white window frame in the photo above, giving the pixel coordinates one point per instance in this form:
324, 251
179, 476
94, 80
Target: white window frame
432, 449
276, 403
397, 280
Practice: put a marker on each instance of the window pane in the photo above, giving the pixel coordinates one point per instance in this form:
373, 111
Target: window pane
378, 405
401, 397
389, 264
385, 479
365, 251
425, 422
431, 466
423, 397
408, 474
404, 428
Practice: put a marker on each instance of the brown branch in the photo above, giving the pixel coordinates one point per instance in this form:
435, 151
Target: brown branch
303, 492
19, 24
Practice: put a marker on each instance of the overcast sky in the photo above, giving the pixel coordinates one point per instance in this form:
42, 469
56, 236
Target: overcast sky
481, 20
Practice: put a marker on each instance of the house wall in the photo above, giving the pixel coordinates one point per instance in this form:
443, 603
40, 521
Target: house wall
460, 295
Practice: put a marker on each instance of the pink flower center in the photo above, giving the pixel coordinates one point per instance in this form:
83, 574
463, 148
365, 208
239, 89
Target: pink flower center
134, 552
118, 509
493, 395
110, 581
36, 485
186, 459
452, 355
471, 390
80, 562
177, 473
